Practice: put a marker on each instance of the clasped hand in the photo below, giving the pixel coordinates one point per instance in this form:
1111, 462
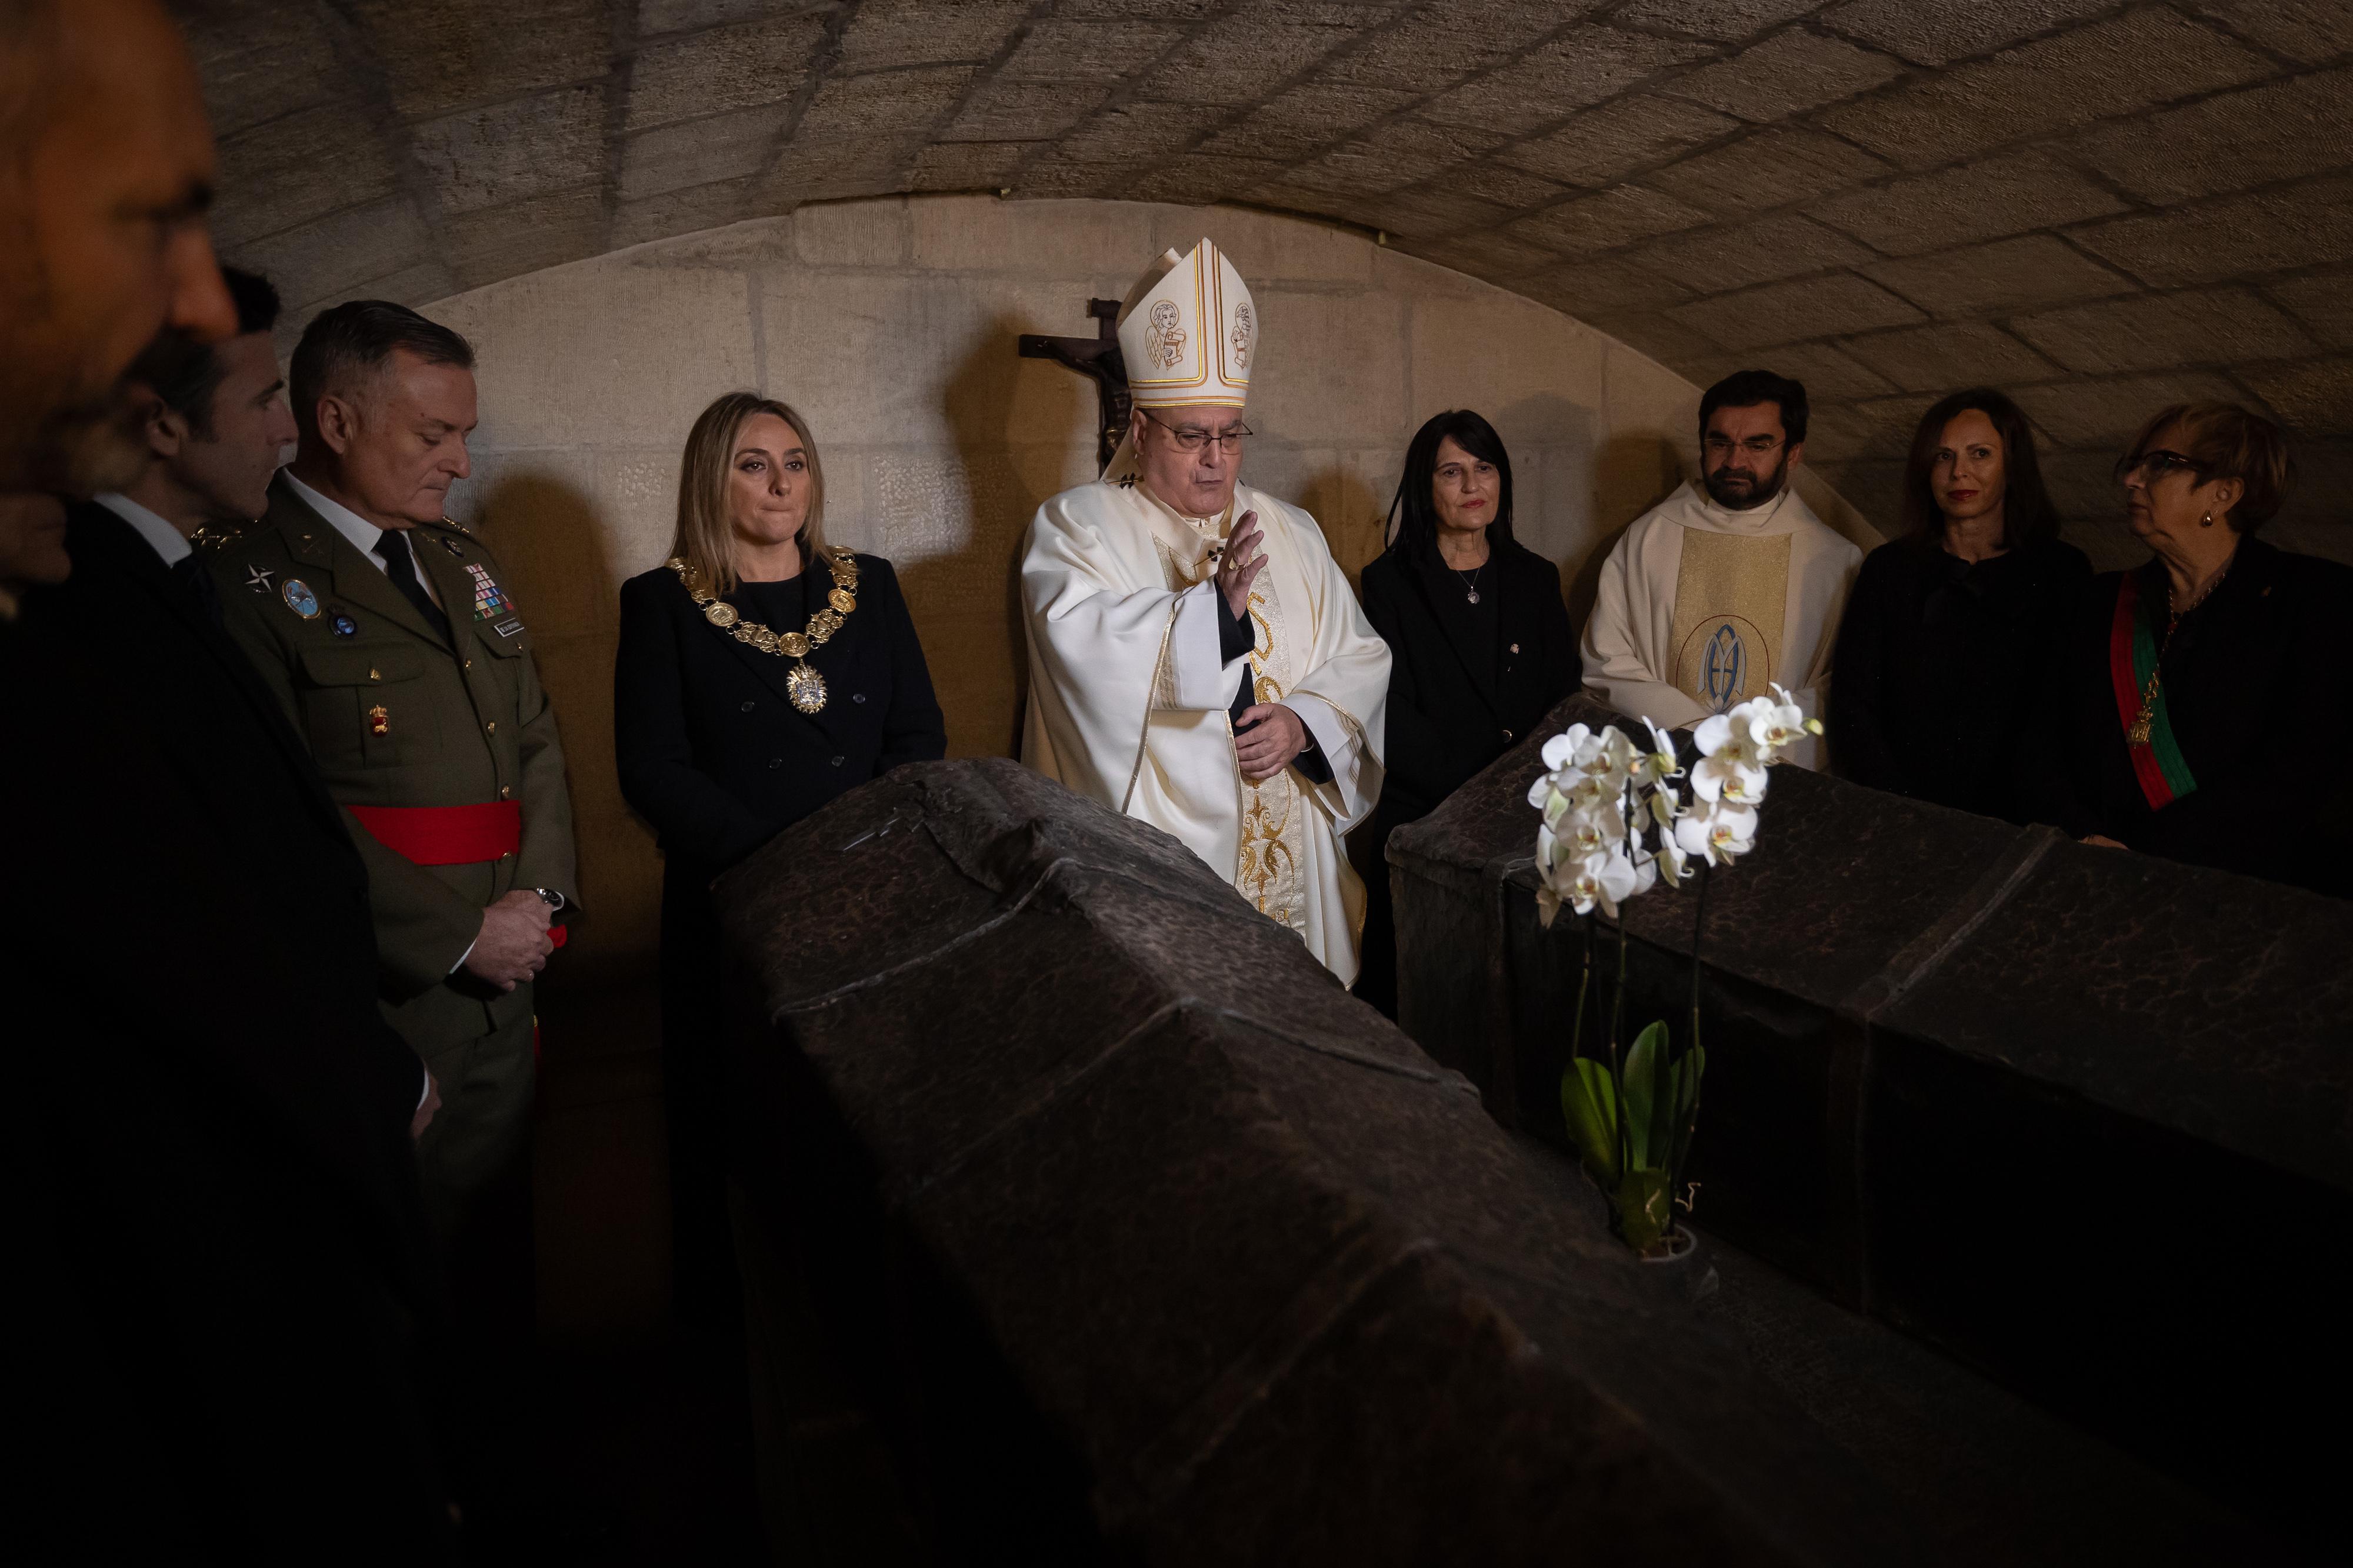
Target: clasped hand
514, 944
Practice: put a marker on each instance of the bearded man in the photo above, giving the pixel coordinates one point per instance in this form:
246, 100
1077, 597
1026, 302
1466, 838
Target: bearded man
1197, 659
1712, 596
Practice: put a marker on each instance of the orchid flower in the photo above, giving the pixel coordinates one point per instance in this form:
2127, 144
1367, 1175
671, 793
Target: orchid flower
1775, 723
1603, 879
1657, 765
1723, 832
1731, 776
1673, 863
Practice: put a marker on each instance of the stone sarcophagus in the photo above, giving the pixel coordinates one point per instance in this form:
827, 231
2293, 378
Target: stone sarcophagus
2078, 1117
1173, 1251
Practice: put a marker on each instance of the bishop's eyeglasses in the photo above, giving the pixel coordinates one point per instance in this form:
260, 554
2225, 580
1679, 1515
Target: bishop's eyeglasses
1192, 439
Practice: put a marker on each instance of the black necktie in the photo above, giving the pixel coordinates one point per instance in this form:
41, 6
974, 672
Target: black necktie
394, 548
189, 573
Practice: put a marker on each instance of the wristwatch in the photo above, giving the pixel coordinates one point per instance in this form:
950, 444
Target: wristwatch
554, 899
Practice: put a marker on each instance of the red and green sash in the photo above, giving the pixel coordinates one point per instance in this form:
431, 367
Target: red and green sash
2163, 773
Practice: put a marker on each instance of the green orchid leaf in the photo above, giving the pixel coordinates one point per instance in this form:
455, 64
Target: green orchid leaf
1643, 1082
1590, 1108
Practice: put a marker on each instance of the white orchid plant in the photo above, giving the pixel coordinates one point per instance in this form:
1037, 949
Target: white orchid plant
1615, 823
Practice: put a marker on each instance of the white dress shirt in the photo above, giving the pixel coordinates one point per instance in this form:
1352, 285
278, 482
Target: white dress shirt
364, 535
169, 543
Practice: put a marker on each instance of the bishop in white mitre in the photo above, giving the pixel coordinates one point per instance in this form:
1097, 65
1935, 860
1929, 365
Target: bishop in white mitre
1197, 659
1718, 593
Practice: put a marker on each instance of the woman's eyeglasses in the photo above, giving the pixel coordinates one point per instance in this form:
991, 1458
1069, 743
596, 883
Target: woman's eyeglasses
2154, 466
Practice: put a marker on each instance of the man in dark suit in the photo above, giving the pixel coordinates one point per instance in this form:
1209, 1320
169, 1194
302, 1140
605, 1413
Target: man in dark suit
214, 1185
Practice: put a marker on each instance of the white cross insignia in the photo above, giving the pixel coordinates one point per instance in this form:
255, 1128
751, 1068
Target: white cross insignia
257, 578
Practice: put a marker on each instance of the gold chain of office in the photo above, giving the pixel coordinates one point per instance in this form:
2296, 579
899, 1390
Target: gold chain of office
804, 685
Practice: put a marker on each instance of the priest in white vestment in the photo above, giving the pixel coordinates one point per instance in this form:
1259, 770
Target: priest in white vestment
1197, 659
1719, 591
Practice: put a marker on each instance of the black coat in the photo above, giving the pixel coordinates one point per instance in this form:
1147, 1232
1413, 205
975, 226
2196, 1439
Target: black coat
1941, 661
2250, 683
210, 1163
1458, 700
1453, 706
711, 751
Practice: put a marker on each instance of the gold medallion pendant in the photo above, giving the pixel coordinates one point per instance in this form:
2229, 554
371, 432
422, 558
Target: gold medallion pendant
803, 685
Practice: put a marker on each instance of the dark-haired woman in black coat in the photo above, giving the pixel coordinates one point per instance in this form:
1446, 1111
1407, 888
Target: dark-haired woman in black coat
1480, 642
1951, 631
726, 737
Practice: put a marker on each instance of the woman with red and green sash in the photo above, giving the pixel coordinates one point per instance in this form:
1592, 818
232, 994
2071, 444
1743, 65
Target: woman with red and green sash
2190, 719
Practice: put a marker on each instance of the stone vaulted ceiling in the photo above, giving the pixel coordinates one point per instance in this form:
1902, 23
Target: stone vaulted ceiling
2099, 207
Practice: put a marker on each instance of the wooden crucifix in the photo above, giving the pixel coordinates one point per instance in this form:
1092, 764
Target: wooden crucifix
1098, 359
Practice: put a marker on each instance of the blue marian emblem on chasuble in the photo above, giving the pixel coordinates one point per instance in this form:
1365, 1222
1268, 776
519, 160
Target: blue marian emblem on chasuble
1723, 668
299, 599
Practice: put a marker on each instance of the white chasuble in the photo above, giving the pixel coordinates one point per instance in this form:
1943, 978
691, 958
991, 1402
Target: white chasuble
1130, 703
1701, 607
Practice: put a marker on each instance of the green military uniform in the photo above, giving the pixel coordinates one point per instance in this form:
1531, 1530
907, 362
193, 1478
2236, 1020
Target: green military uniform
396, 718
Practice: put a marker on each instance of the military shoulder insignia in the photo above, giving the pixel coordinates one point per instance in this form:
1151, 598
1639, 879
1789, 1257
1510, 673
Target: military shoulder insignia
209, 537
299, 599
257, 578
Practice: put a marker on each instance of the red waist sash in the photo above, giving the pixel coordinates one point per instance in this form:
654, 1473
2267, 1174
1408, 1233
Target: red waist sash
448, 834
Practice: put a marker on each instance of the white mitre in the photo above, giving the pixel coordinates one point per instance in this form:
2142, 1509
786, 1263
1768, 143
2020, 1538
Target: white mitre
1189, 335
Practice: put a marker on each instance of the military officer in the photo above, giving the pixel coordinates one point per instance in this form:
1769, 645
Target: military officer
388, 632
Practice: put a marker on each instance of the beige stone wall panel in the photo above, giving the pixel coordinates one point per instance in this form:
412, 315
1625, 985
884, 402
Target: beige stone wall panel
1949, 356
1938, 32
1959, 206
1766, 169
700, 152
1996, 279
2139, 60
602, 355
2276, 131
1766, 250
1584, 66
511, 152
2102, 416
315, 163
441, 55
701, 74
1787, 74
2165, 331
1610, 142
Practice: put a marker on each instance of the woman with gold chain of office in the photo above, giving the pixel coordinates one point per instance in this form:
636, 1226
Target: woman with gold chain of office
762, 671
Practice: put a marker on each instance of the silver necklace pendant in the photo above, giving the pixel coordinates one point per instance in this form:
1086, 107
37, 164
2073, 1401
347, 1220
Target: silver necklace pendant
806, 686
1471, 597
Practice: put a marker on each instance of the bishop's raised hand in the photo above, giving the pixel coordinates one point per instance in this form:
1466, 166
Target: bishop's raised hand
1240, 564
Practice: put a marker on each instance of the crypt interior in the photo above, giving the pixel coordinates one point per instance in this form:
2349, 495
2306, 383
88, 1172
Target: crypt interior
2016, 1246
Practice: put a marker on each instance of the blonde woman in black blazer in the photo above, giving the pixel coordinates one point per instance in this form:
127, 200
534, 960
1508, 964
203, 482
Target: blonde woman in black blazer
1480, 642
745, 697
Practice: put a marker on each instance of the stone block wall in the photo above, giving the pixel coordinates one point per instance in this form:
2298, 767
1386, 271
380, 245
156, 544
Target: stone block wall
890, 323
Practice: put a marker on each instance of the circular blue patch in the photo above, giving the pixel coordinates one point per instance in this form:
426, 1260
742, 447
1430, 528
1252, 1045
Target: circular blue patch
299, 599
344, 627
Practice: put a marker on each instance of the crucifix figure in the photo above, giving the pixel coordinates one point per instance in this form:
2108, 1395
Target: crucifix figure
1097, 358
